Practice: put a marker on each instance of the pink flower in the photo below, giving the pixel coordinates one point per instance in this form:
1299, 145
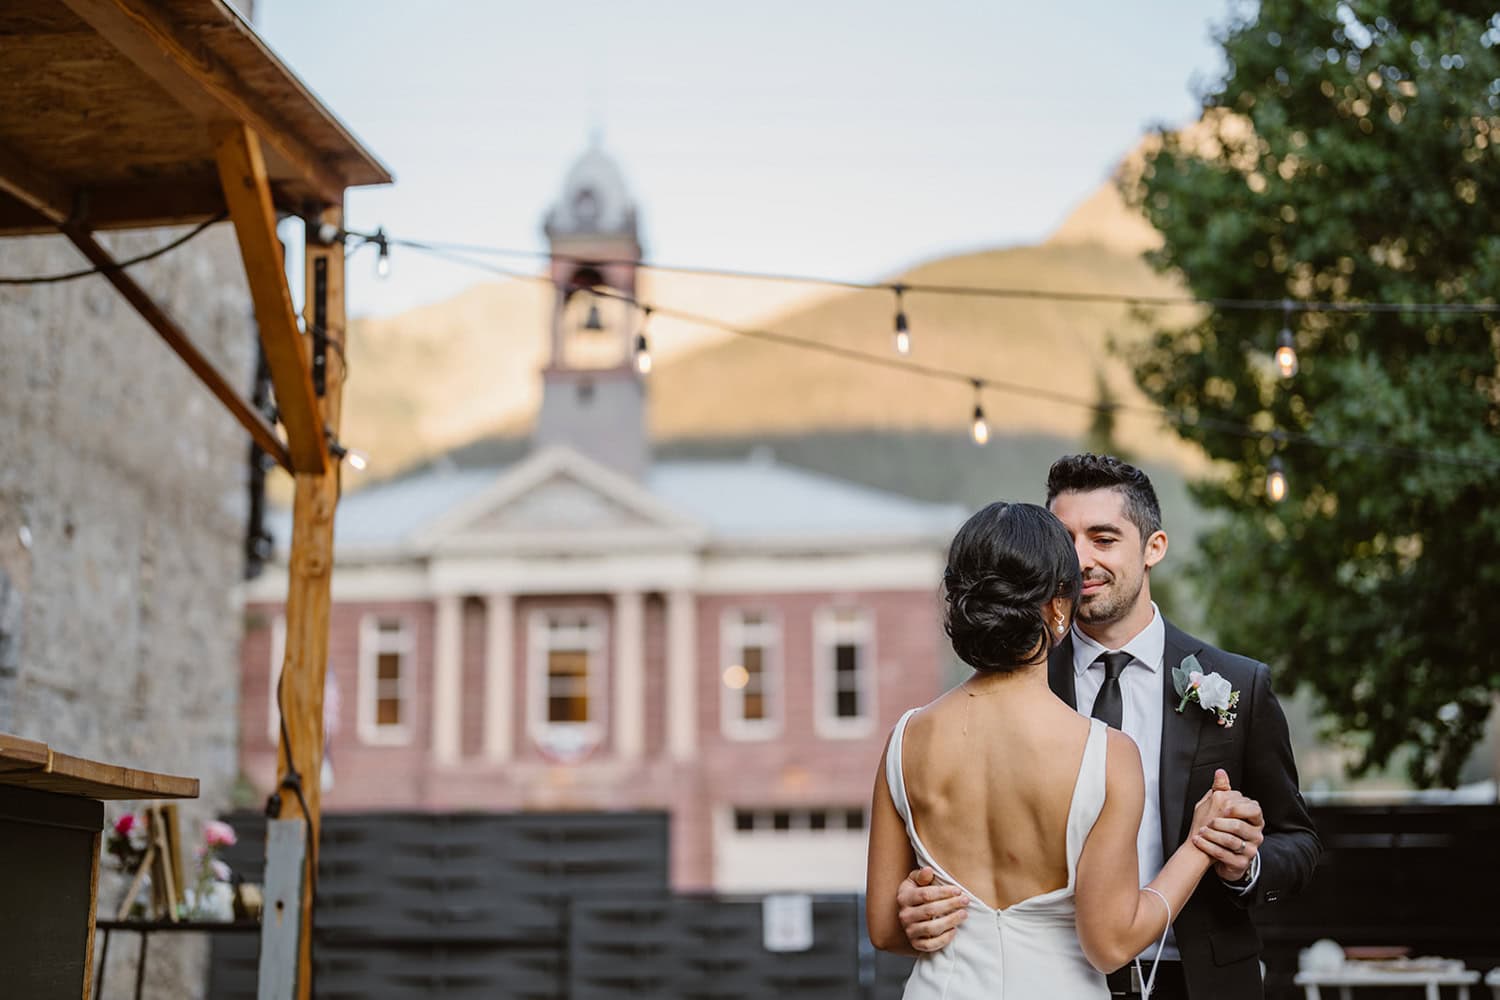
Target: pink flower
217, 833
1195, 678
125, 824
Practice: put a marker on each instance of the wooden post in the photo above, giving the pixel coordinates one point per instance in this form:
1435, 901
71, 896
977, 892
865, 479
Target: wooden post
308, 597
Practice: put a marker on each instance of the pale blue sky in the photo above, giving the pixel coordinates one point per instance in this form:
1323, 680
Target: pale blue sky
833, 138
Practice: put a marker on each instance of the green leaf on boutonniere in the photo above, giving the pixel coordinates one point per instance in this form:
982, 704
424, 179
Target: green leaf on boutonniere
1182, 679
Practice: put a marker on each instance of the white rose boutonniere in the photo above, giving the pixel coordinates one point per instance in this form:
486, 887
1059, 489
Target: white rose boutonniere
1211, 691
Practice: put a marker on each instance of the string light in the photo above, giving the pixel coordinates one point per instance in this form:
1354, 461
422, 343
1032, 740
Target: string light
1189, 420
1275, 480
903, 335
593, 323
981, 427
1286, 350
1038, 294
642, 349
358, 460
383, 255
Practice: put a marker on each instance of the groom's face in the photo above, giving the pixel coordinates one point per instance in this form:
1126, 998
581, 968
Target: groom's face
1110, 554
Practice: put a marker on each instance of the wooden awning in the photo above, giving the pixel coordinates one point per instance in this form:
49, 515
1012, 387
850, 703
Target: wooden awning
32, 764
121, 114
110, 112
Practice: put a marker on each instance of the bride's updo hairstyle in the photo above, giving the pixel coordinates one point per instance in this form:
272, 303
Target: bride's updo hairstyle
1004, 564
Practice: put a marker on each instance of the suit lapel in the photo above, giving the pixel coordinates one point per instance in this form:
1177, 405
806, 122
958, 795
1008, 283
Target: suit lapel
1179, 740
1060, 676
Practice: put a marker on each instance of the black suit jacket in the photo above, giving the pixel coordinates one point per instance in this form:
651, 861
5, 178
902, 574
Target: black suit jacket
1219, 944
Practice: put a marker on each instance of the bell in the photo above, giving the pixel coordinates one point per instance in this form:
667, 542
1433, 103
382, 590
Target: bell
593, 322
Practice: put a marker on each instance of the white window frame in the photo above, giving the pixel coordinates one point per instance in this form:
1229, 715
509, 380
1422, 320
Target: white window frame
734, 635
371, 644
566, 738
828, 632
278, 659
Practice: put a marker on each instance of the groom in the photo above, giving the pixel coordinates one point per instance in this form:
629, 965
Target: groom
1117, 665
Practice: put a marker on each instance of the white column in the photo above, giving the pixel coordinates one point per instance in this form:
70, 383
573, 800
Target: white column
447, 679
499, 677
682, 675
630, 675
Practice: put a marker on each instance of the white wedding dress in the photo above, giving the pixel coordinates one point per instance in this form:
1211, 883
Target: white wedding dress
1025, 951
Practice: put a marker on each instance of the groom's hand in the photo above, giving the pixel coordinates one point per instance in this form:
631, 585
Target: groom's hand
930, 914
1234, 840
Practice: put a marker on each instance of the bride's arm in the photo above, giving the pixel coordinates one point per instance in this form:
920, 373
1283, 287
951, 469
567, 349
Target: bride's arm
1117, 920
890, 858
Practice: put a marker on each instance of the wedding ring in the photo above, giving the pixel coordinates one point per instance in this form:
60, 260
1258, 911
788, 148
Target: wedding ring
1241, 848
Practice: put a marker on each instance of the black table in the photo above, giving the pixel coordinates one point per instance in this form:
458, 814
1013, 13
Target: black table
145, 928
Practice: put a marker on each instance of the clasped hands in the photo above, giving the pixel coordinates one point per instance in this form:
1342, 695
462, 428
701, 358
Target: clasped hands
1227, 826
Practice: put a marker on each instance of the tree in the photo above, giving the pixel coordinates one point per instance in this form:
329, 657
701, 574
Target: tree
1348, 155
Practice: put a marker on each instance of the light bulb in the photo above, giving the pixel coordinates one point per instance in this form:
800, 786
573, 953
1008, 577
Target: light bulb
1275, 481
736, 677
358, 460
1286, 354
903, 335
981, 429
642, 355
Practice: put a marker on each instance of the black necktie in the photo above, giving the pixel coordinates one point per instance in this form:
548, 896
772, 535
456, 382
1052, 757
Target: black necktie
1109, 707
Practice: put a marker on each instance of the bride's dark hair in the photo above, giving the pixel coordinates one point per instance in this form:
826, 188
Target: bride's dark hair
1004, 563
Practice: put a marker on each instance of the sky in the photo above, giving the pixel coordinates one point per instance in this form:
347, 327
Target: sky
820, 137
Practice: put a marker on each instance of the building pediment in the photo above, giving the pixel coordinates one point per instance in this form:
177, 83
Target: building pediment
558, 498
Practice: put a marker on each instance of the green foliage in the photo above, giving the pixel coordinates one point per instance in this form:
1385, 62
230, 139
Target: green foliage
1348, 154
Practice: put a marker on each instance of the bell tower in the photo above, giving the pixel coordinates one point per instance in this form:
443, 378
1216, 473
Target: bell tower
593, 399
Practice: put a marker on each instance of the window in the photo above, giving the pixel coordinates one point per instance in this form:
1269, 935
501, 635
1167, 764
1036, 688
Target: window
844, 665
566, 673
767, 822
750, 663
385, 668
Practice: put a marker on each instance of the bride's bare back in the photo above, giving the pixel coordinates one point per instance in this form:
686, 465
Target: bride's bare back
1002, 759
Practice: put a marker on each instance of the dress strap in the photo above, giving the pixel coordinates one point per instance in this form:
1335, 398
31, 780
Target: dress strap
895, 776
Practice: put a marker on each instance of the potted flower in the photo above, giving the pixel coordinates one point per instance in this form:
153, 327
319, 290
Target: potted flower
212, 895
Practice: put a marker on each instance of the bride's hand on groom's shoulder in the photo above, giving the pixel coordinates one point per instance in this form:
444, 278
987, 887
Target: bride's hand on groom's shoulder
1228, 827
930, 911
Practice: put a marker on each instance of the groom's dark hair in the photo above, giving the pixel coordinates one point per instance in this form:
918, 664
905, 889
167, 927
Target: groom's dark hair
1086, 473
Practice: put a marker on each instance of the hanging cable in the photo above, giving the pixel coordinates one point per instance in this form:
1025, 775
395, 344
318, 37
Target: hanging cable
1048, 295
52, 279
1000, 385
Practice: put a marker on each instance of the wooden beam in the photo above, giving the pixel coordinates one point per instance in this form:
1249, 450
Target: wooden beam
198, 80
242, 173
173, 201
41, 193
309, 597
260, 431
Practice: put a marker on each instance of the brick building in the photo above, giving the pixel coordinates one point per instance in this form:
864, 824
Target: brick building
729, 641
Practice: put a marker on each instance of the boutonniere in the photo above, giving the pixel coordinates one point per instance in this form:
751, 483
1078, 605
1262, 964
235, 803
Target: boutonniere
1211, 691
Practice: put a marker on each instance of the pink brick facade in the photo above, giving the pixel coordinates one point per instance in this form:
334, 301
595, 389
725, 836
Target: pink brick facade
796, 768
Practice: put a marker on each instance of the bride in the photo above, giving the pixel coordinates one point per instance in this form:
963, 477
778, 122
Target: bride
1012, 796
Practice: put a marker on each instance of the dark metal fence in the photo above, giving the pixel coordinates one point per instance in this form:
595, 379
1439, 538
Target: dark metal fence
552, 906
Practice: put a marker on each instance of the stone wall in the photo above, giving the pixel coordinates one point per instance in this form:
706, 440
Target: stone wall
122, 518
